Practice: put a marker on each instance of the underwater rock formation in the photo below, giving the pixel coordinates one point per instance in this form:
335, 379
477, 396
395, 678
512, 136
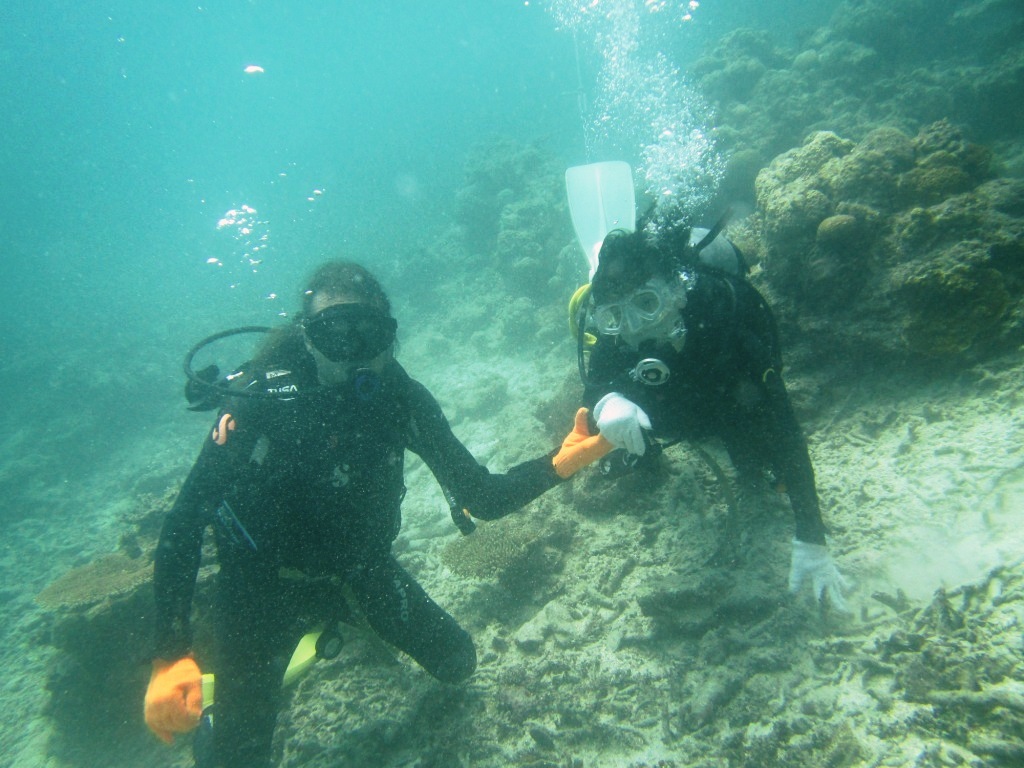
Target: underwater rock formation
100, 618
878, 63
104, 578
512, 211
522, 553
511, 254
893, 247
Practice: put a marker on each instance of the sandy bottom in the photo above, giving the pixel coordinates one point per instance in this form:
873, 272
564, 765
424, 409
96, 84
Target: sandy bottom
641, 622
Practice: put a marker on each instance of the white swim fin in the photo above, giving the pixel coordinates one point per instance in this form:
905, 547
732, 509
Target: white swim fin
601, 198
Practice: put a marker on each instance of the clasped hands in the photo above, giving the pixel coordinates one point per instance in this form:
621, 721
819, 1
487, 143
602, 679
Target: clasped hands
620, 423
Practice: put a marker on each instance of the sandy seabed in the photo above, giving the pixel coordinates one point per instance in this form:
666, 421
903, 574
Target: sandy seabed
645, 622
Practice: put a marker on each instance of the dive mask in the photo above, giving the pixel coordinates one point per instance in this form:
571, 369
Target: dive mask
643, 308
346, 333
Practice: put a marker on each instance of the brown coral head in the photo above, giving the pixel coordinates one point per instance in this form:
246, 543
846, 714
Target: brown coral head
837, 233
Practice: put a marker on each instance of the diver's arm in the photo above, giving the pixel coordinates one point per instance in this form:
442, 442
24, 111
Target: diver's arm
174, 696
484, 495
178, 552
491, 496
176, 565
811, 564
793, 462
761, 350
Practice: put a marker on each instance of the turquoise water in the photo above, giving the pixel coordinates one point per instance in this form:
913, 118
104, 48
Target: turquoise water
131, 134
168, 170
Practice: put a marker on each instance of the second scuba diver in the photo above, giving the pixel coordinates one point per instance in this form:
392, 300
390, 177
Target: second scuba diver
301, 479
686, 348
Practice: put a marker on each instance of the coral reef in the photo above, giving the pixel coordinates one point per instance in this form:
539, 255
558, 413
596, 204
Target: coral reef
512, 208
106, 577
645, 622
886, 235
511, 255
904, 246
100, 620
96, 679
877, 63
908, 672
519, 552
118, 573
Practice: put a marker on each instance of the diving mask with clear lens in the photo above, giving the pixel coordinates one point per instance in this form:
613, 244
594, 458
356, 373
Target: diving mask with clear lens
645, 307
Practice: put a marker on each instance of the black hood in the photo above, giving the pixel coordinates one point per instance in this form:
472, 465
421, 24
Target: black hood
628, 260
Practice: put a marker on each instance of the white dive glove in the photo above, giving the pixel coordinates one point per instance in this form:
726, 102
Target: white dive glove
622, 422
812, 563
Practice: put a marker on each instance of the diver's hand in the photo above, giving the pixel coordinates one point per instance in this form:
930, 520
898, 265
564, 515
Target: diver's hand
622, 422
812, 564
174, 699
579, 448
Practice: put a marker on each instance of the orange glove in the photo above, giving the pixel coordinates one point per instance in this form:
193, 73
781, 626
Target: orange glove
174, 699
579, 448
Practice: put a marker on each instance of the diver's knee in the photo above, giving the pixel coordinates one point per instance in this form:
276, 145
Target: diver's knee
459, 664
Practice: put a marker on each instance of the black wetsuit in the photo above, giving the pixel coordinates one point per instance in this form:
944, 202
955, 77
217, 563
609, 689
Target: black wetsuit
303, 494
726, 383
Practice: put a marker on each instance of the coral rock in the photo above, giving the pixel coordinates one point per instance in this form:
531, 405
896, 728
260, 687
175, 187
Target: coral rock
106, 577
837, 233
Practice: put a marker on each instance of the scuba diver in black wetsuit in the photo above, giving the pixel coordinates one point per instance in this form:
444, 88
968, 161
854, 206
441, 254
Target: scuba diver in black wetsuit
686, 348
301, 479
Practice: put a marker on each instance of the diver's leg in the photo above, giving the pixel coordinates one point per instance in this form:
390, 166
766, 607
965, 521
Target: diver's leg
402, 613
256, 633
